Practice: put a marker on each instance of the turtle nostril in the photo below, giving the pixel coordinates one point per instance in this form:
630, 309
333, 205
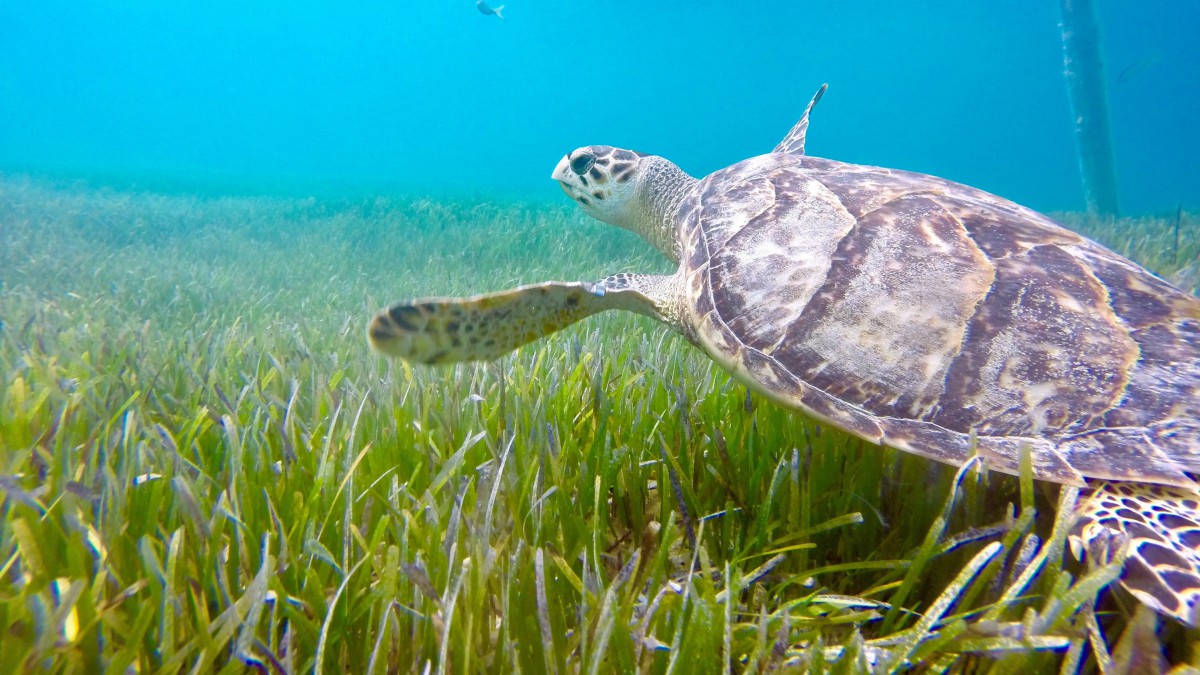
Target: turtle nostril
581, 164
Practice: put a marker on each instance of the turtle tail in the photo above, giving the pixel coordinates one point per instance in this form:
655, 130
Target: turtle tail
1161, 527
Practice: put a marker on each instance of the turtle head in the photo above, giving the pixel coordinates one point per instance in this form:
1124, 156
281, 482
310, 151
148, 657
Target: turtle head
603, 180
632, 190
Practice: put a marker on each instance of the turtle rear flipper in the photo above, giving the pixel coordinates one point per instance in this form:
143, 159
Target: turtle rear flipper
1161, 525
486, 327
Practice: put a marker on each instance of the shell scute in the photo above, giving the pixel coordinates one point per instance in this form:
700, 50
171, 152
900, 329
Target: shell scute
869, 311
1041, 352
1003, 229
1140, 300
862, 189
762, 276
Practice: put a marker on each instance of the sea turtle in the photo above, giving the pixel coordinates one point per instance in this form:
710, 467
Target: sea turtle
909, 310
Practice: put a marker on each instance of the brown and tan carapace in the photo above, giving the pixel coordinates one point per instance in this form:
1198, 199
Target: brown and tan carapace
906, 309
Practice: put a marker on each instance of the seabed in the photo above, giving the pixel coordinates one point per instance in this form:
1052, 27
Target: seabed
205, 468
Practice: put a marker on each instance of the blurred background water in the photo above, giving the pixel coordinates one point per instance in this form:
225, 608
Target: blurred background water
365, 96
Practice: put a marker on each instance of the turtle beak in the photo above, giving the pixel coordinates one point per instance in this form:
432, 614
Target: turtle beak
563, 174
563, 170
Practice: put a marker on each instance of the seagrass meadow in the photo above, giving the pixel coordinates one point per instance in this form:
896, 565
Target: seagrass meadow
204, 469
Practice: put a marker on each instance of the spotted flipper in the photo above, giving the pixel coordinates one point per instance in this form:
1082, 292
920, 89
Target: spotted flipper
485, 327
794, 142
1161, 526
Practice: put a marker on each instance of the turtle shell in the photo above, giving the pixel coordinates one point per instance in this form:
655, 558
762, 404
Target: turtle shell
936, 318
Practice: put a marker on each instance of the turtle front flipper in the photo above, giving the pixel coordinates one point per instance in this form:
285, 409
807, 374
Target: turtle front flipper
1161, 527
794, 142
485, 327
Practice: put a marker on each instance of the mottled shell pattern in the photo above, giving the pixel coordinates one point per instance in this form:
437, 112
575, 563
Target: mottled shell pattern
936, 318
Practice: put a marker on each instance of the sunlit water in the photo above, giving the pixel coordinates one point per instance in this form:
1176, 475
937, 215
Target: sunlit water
372, 97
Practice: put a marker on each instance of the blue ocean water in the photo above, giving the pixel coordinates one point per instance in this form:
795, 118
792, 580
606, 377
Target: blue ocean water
368, 96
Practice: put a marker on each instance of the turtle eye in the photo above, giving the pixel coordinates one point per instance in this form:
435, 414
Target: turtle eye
581, 164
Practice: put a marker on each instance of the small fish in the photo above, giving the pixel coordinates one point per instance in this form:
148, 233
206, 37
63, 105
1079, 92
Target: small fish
1133, 70
82, 491
486, 10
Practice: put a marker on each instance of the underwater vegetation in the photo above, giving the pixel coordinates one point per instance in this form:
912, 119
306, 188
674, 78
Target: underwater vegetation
205, 469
